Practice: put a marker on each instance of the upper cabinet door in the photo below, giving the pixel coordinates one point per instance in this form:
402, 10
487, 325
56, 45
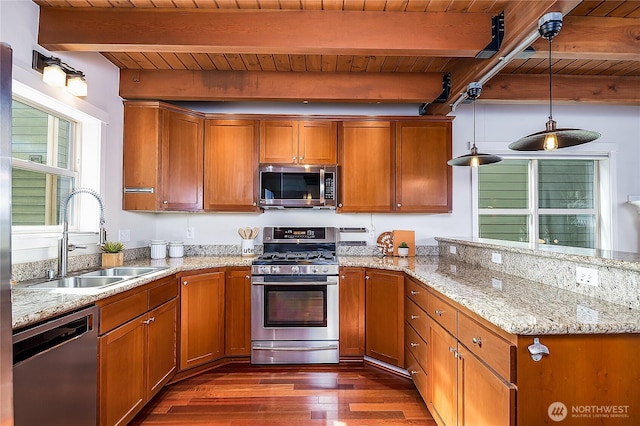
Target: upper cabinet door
318, 142
231, 165
423, 178
279, 141
182, 169
366, 164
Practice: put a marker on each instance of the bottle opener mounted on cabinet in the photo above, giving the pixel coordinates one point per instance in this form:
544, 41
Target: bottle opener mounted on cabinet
537, 350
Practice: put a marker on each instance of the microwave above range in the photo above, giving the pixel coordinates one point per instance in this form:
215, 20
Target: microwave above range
297, 186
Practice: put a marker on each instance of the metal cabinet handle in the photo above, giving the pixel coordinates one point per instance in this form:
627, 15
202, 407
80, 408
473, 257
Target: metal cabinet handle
294, 158
149, 321
340, 205
439, 312
399, 205
414, 293
165, 202
477, 341
367, 277
247, 277
413, 345
184, 282
301, 158
413, 372
414, 317
255, 204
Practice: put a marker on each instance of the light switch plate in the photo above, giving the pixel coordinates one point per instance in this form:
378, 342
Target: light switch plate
453, 250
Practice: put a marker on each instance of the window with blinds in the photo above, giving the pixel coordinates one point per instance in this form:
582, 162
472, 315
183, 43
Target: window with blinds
42, 164
545, 200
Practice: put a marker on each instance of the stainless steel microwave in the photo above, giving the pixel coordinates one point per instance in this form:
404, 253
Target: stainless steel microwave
297, 186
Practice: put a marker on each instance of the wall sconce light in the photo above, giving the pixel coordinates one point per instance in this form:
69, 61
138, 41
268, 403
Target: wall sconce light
58, 74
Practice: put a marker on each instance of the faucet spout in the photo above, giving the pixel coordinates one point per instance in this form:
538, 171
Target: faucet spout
63, 246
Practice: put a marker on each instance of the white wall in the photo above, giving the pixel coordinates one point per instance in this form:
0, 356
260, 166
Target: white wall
496, 127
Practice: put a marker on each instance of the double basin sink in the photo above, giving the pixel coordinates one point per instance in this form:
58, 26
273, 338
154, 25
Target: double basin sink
97, 279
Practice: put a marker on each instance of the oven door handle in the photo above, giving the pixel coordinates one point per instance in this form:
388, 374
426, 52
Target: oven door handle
297, 283
300, 348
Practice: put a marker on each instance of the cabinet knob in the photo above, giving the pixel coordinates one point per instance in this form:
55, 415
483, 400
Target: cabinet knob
413, 345
184, 282
255, 204
165, 202
247, 277
342, 277
149, 321
439, 312
413, 372
399, 205
413, 317
366, 277
301, 158
477, 341
414, 293
294, 158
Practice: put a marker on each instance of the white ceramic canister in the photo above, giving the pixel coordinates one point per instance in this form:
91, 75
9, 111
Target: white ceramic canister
158, 249
248, 247
176, 249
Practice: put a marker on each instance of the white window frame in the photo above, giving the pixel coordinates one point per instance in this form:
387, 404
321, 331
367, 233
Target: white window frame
602, 189
87, 137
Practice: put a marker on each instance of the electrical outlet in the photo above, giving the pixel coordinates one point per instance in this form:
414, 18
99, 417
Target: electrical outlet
586, 315
191, 232
124, 235
496, 257
453, 249
453, 268
496, 283
588, 276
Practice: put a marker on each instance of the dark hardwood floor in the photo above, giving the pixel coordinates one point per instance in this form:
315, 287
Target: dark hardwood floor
244, 395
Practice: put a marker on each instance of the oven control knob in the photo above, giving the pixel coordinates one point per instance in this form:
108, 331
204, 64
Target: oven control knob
295, 269
314, 270
325, 269
275, 269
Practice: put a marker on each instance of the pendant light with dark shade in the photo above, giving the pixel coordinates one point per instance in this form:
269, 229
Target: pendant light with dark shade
474, 159
552, 138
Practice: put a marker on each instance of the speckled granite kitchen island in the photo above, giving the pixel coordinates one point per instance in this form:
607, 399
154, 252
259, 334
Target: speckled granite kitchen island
514, 304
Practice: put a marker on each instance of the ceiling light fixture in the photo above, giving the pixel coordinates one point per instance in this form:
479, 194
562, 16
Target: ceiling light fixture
552, 138
474, 159
58, 74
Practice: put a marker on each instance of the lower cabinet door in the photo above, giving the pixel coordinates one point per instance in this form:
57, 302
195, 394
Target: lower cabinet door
122, 372
483, 398
162, 358
201, 318
443, 369
237, 310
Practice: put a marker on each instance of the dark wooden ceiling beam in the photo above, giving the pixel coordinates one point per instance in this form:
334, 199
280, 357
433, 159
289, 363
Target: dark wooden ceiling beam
521, 20
286, 86
566, 88
264, 31
585, 37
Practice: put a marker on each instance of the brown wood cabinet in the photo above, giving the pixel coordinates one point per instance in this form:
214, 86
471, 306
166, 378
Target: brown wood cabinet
231, 165
423, 177
162, 158
366, 166
384, 306
237, 310
298, 142
136, 349
395, 166
352, 312
444, 375
201, 317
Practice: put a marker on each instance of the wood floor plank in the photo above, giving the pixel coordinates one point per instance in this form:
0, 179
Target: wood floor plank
309, 395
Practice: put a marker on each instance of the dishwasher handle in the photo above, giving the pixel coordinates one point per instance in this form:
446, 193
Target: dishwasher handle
34, 341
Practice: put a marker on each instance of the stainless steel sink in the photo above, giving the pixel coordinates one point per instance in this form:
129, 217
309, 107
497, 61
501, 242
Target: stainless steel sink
79, 282
122, 271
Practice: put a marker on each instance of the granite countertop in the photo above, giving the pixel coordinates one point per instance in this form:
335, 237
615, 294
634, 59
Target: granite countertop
516, 305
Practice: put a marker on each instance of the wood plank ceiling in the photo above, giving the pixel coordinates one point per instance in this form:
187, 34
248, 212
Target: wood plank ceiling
352, 50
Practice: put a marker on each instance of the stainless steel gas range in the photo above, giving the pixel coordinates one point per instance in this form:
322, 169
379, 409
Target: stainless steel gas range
294, 297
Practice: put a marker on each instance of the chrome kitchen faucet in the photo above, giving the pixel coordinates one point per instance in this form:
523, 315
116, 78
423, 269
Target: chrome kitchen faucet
64, 247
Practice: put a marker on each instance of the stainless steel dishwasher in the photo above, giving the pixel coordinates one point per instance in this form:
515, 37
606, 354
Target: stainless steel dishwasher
55, 371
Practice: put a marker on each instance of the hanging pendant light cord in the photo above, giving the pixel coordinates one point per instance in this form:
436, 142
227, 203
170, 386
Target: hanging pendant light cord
550, 85
474, 122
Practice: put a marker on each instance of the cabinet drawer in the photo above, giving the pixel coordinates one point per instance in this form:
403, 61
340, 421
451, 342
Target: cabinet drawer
117, 313
417, 318
419, 376
443, 313
165, 290
417, 293
488, 346
416, 345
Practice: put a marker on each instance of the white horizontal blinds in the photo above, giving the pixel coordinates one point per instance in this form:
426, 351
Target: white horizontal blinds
566, 202
41, 146
503, 185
